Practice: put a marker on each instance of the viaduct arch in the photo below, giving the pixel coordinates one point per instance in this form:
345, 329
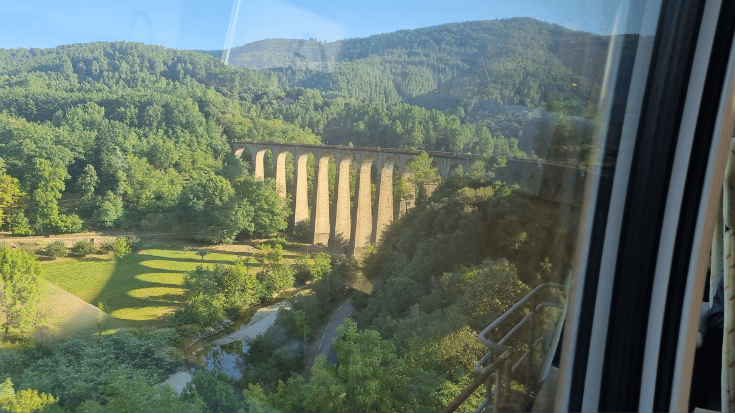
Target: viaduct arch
351, 224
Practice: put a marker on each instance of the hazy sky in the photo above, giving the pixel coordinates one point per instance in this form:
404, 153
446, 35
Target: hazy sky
203, 24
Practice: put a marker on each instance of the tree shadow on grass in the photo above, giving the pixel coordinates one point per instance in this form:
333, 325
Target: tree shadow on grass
124, 292
192, 260
165, 298
126, 278
138, 272
226, 252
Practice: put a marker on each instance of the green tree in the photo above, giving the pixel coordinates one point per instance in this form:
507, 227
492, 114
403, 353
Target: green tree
48, 191
402, 192
19, 223
86, 184
131, 392
49, 186
368, 377
203, 296
109, 210
217, 394
202, 252
269, 210
302, 325
211, 210
21, 290
422, 174
77, 370
275, 273
6, 389
238, 287
308, 267
10, 193
24, 401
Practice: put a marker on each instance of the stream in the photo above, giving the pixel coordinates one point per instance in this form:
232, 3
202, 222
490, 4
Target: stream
227, 358
227, 355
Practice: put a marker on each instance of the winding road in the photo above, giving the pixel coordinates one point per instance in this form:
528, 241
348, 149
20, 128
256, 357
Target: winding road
323, 346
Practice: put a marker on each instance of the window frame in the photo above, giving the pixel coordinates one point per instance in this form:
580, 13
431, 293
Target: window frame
646, 235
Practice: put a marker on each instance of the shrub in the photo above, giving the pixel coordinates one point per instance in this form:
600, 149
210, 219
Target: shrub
275, 241
302, 230
312, 267
121, 247
133, 241
56, 249
83, 248
107, 246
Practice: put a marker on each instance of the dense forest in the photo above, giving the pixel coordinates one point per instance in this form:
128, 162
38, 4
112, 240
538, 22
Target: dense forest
141, 133
139, 137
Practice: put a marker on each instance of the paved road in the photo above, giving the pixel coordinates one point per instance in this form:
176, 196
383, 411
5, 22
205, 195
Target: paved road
323, 346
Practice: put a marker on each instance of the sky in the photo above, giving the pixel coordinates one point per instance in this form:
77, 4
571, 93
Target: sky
209, 24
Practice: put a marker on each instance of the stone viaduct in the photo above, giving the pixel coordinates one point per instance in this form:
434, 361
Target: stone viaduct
352, 225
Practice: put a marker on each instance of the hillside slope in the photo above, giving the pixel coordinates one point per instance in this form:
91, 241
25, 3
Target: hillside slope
478, 59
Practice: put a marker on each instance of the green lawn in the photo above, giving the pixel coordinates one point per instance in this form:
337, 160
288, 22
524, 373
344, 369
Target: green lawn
138, 288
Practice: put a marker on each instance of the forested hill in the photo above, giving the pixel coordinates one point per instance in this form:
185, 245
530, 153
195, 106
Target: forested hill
512, 61
141, 132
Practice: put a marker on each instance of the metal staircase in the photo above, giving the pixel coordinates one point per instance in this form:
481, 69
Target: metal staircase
501, 362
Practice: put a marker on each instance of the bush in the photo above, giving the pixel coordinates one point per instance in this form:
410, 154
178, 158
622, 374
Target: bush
133, 241
121, 247
275, 241
107, 246
83, 248
309, 267
302, 230
56, 249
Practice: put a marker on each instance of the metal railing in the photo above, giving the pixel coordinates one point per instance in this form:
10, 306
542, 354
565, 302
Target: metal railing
497, 374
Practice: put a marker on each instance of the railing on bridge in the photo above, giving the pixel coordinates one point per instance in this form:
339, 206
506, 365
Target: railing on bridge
540, 161
500, 356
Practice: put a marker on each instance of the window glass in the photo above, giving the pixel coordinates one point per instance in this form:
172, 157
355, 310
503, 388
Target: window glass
337, 206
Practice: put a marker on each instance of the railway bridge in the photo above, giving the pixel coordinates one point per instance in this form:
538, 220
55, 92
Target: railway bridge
353, 224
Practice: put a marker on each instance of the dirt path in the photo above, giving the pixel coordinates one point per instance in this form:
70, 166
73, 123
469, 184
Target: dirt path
70, 239
155, 238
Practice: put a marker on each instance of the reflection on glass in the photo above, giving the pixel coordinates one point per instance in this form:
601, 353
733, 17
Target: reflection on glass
420, 175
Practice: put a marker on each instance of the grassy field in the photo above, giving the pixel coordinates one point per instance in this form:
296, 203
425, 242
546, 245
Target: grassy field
137, 289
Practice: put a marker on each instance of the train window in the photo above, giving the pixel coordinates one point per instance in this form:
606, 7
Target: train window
491, 207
